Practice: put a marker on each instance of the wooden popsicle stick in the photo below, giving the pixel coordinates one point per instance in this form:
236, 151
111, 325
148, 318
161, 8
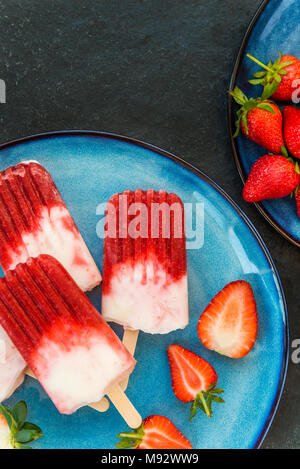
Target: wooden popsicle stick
124, 407
130, 338
28, 372
101, 406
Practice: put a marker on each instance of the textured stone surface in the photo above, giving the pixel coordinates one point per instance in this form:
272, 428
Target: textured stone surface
155, 70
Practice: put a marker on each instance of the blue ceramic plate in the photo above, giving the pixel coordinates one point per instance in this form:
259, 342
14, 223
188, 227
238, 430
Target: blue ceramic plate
275, 27
88, 167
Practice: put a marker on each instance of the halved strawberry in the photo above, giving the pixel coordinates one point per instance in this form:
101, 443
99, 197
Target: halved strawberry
156, 432
193, 379
228, 325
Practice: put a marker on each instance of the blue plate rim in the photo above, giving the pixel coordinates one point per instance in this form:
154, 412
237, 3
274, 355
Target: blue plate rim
231, 124
204, 177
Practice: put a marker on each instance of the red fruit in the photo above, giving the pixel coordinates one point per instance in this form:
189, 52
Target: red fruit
286, 87
265, 128
193, 379
228, 325
279, 79
271, 177
291, 120
156, 432
260, 120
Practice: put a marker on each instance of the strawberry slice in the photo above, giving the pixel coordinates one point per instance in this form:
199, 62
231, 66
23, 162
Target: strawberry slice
228, 325
156, 432
193, 379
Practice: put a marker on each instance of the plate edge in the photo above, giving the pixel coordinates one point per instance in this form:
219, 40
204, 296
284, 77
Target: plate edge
230, 118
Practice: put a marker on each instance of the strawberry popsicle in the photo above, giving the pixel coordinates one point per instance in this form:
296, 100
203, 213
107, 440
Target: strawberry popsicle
35, 220
12, 366
71, 350
144, 262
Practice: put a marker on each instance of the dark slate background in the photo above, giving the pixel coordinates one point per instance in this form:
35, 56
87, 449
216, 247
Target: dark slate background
157, 70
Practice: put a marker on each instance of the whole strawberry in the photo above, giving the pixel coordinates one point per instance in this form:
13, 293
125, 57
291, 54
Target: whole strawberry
279, 78
291, 124
260, 120
271, 177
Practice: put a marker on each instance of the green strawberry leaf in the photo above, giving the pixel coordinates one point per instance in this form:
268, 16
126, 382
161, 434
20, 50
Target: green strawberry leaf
256, 81
24, 436
277, 78
29, 432
22, 446
286, 64
238, 96
20, 431
245, 122
284, 151
193, 410
210, 387
131, 439
7, 414
218, 391
266, 107
259, 74
217, 399
20, 413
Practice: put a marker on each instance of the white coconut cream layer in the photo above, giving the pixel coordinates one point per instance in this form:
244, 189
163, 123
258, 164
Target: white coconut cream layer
81, 375
12, 366
57, 236
154, 306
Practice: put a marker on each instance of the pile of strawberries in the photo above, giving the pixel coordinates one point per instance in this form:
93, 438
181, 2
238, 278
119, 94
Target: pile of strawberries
276, 174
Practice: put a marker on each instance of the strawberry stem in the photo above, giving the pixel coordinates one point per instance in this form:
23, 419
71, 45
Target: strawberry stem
259, 63
203, 401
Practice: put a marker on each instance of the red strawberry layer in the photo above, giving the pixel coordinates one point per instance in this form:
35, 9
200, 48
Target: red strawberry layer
35, 220
142, 225
144, 262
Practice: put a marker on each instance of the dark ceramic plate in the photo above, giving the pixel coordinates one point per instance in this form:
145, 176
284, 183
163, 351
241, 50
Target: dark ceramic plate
275, 27
88, 167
